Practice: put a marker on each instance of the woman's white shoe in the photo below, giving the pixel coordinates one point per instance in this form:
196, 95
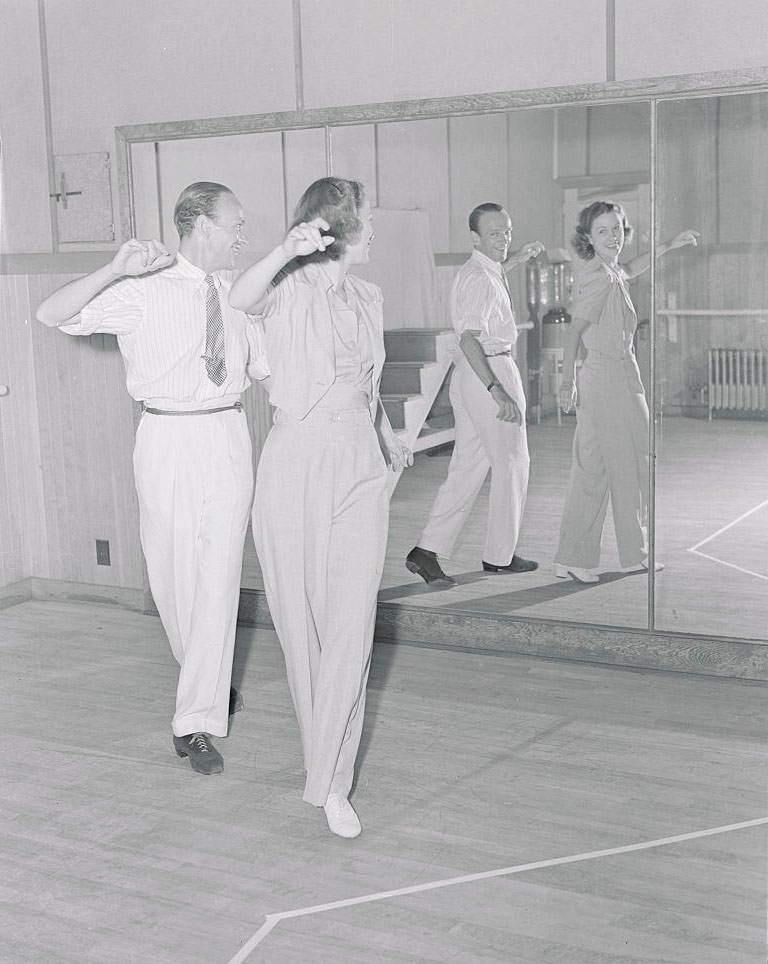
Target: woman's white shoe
575, 572
643, 567
342, 819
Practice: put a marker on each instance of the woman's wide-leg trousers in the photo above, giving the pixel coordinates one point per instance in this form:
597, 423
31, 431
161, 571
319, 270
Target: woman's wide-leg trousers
320, 523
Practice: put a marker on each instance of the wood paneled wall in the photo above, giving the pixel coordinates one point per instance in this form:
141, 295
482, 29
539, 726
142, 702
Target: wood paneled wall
713, 178
85, 419
66, 443
23, 543
67, 433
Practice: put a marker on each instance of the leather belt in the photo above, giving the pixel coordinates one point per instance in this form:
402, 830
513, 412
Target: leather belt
496, 354
197, 411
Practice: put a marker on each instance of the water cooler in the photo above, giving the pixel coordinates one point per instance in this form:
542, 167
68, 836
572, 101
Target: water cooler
549, 283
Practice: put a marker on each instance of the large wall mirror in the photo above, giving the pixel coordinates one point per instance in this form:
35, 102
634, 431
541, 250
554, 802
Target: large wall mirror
711, 434
675, 159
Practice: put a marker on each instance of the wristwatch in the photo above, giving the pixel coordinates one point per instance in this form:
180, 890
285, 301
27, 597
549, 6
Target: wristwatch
492, 384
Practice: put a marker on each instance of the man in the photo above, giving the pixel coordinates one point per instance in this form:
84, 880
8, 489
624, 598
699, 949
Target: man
489, 408
186, 352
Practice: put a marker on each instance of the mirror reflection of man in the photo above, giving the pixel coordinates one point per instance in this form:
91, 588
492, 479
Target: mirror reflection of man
489, 408
186, 354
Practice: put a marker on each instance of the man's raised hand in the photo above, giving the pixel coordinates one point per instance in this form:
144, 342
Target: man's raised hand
140, 257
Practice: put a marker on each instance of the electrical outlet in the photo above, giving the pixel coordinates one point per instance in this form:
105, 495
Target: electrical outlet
102, 552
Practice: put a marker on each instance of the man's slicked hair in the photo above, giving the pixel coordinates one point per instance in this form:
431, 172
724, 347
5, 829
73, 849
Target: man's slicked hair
490, 207
202, 197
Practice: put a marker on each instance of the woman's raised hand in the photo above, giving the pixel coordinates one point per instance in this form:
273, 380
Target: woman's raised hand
307, 237
685, 237
140, 257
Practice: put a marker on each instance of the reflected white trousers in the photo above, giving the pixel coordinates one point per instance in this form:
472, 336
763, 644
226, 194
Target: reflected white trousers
610, 459
194, 478
482, 442
320, 522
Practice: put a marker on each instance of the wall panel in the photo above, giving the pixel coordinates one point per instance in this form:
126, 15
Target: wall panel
304, 158
25, 224
86, 440
402, 50
353, 155
656, 38
144, 62
23, 544
705, 170
414, 172
479, 171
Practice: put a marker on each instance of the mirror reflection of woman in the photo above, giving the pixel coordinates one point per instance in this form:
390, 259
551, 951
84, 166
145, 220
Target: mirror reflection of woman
321, 505
610, 446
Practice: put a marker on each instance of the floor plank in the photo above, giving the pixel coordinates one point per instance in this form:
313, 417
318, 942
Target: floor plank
114, 852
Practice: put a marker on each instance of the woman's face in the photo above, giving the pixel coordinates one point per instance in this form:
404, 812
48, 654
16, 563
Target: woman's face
358, 251
607, 236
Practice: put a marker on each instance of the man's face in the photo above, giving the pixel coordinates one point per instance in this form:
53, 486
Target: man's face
226, 238
493, 235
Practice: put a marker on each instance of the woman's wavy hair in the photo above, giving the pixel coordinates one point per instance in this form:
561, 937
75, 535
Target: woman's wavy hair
337, 201
580, 240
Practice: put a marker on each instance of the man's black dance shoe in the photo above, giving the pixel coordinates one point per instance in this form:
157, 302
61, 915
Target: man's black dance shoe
518, 564
424, 563
235, 701
203, 755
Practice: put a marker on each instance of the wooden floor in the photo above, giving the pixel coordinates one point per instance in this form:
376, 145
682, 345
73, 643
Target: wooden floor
114, 852
711, 476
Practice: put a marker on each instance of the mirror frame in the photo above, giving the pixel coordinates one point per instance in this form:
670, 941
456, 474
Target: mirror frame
646, 647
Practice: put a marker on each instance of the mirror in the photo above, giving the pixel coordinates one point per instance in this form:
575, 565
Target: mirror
544, 163
712, 368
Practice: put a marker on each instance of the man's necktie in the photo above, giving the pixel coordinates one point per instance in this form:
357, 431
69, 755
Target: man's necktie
506, 288
214, 335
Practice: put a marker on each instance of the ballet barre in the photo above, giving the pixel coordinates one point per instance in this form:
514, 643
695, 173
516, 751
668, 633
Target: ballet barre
718, 312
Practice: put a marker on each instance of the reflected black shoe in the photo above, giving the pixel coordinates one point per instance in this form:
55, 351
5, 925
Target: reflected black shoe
518, 564
203, 755
424, 563
235, 701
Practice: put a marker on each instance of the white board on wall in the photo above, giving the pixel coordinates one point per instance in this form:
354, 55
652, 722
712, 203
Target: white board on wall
83, 197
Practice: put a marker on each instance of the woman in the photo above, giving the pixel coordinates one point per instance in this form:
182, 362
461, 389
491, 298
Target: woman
321, 506
610, 447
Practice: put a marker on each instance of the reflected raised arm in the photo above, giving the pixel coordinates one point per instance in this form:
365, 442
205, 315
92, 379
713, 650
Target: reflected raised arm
642, 262
530, 250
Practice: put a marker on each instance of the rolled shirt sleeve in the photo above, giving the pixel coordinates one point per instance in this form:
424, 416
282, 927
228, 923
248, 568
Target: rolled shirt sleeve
117, 310
592, 288
471, 305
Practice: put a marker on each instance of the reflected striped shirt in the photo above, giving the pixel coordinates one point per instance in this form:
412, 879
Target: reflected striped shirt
480, 302
160, 323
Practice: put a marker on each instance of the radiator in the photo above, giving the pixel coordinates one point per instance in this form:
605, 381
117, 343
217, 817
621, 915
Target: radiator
738, 379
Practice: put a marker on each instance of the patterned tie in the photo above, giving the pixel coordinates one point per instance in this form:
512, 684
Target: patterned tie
506, 286
214, 335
